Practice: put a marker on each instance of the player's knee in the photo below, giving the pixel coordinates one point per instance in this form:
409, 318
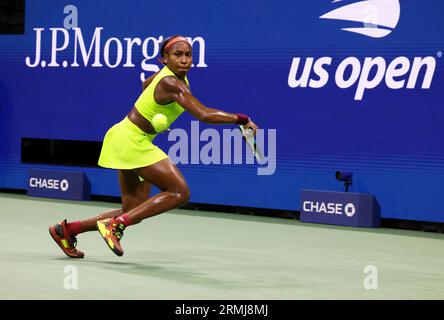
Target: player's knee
182, 195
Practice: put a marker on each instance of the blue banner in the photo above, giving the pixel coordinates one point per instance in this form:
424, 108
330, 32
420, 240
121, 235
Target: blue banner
335, 85
340, 208
58, 184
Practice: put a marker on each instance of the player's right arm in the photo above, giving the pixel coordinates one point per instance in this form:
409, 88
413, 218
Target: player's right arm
173, 89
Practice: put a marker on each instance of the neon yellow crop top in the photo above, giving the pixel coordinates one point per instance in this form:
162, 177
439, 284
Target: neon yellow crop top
147, 105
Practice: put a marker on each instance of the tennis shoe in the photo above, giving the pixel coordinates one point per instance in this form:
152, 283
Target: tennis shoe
111, 231
62, 236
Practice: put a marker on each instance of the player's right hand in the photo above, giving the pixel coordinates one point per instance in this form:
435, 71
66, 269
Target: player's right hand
251, 125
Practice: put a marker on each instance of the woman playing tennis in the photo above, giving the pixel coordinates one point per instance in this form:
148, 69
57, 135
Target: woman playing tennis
128, 147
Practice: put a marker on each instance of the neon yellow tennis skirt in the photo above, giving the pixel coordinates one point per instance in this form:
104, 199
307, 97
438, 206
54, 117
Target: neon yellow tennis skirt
126, 146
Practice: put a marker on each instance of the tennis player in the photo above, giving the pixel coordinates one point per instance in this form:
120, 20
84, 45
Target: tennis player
128, 147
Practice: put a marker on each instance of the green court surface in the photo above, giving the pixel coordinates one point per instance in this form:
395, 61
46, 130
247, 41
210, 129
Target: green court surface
185, 254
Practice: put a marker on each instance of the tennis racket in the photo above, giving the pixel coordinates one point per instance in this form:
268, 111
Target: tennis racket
248, 135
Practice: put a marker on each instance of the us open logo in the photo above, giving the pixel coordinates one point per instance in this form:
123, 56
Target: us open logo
379, 17
375, 19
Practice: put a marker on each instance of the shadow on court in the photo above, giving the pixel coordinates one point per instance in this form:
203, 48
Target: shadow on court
151, 270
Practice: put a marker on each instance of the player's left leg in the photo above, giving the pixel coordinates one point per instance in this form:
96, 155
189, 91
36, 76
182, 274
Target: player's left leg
134, 192
65, 240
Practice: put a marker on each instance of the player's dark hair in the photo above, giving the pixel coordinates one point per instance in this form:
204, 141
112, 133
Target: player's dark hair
163, 45
165, 42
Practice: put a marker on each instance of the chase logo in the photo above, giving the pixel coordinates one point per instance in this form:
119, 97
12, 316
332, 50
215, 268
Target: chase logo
349, 210
54, 184
58, 184
379, 17
329, 207
64, 185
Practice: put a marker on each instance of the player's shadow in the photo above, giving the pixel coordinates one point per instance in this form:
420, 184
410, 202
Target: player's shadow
151, 270
182, 276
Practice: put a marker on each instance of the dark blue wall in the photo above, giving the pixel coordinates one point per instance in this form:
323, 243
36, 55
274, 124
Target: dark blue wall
391, 138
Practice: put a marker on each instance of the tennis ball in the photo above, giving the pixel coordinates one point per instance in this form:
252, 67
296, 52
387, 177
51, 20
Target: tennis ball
160, 122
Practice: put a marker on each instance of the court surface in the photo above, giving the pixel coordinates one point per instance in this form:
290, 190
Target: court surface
185, 254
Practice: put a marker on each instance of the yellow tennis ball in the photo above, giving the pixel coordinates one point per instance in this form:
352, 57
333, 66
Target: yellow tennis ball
160, 122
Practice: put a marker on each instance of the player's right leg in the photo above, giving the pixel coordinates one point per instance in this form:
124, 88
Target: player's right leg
134, 192
174, 192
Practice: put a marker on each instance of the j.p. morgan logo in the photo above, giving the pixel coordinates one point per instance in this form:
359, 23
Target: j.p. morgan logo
376, 18
330, 208
49, 184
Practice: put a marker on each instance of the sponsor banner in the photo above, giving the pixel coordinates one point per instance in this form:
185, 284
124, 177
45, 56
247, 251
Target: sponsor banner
340, 208
354, 85
58, 184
